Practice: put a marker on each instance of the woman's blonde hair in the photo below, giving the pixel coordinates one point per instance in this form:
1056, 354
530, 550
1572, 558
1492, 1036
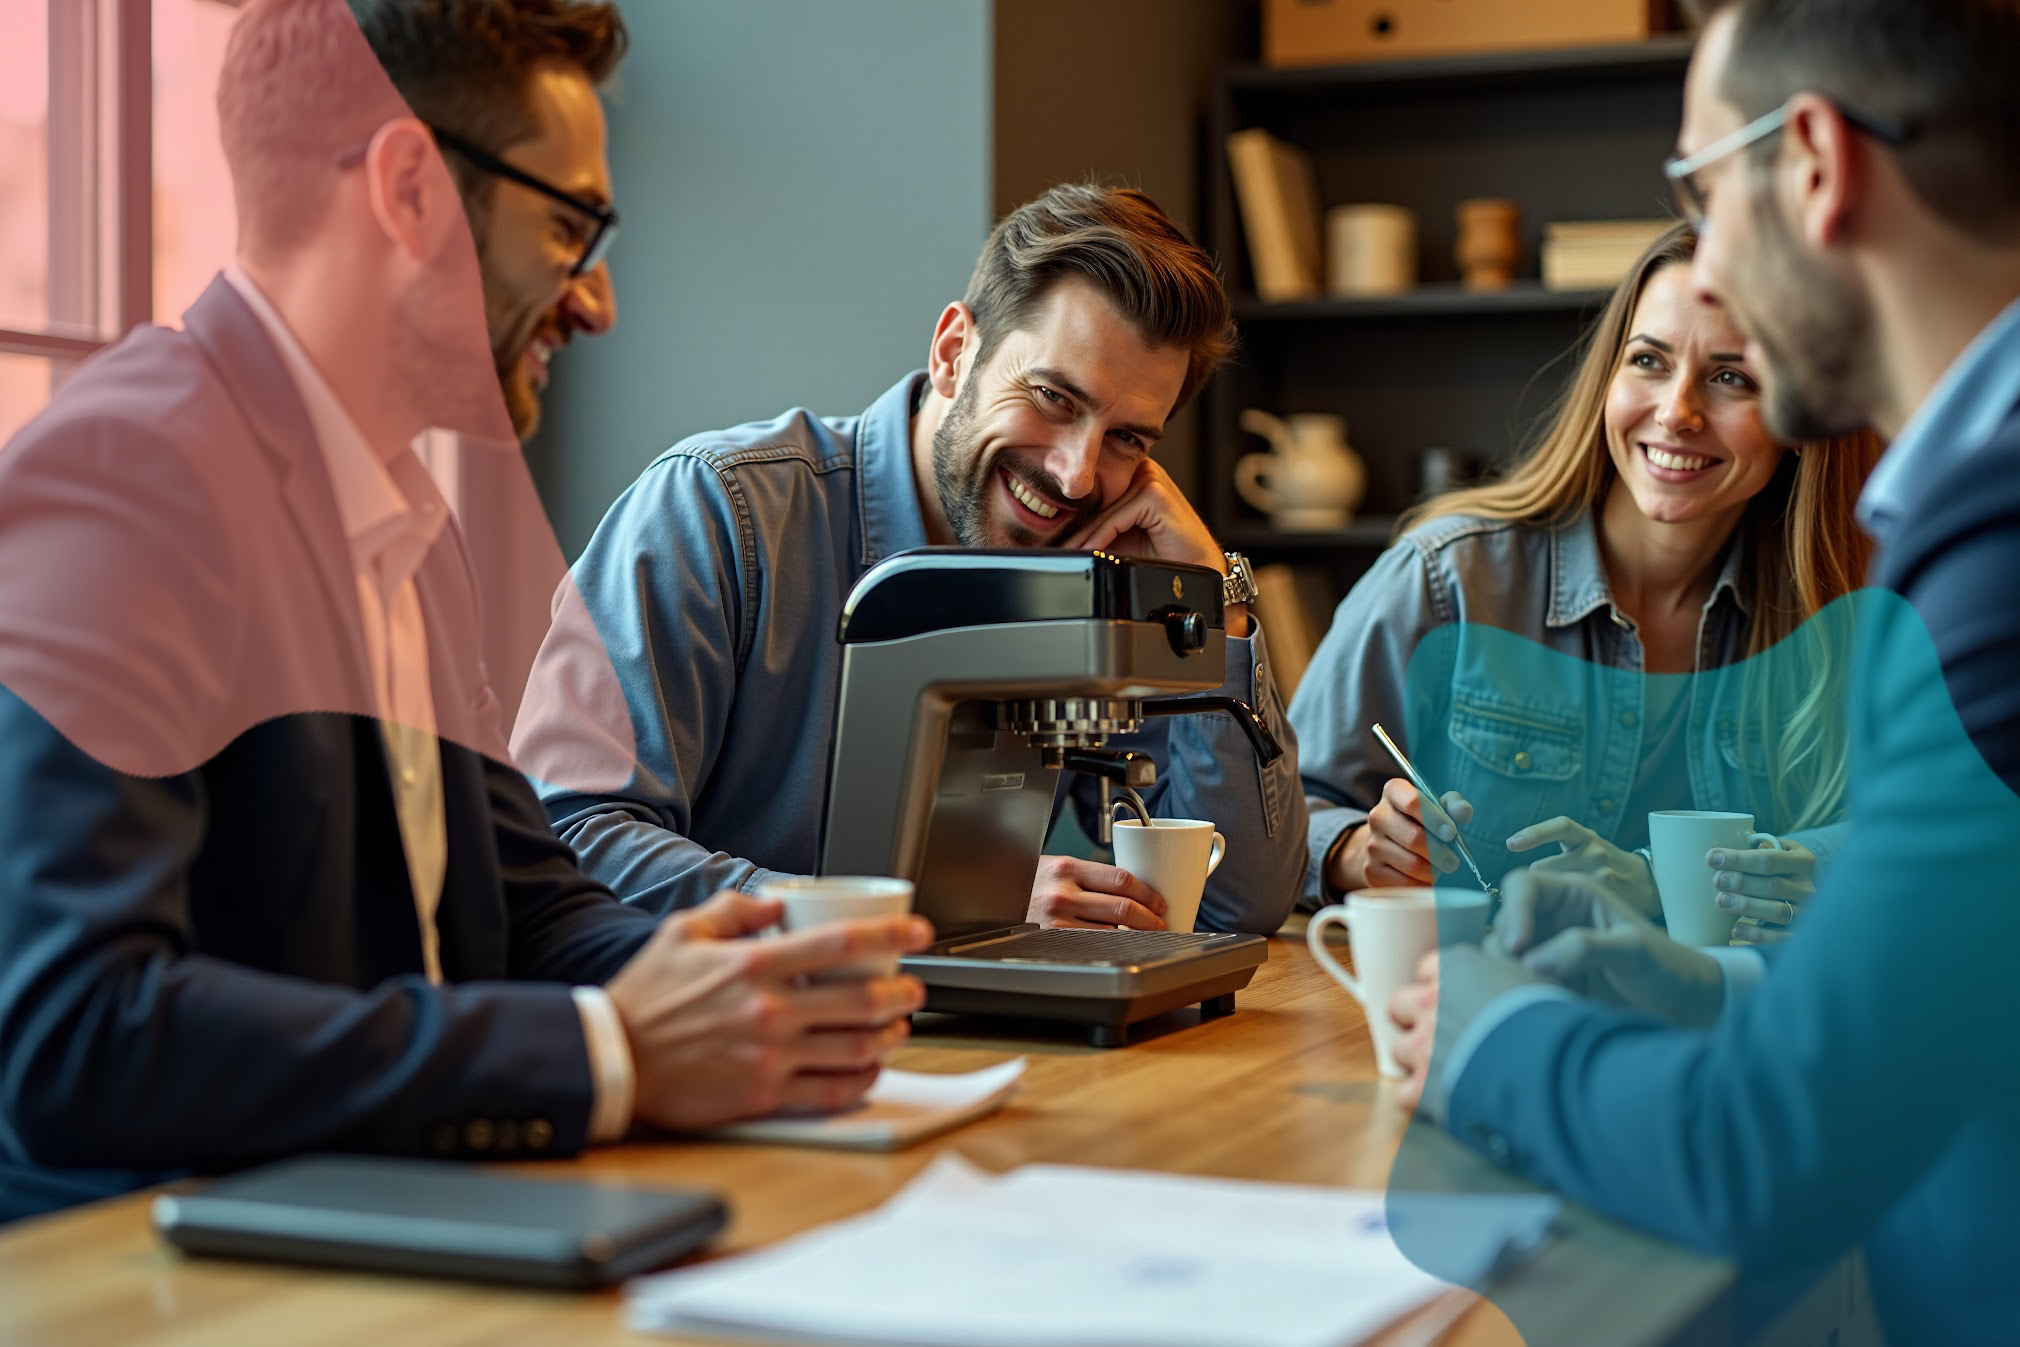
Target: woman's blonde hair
1805, 550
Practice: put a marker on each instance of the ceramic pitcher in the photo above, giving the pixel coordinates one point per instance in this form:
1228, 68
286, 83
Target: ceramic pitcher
1310, 478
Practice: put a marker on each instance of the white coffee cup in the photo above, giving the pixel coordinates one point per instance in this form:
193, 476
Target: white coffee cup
1173, 856
1678, 839
814, 900
1389, 931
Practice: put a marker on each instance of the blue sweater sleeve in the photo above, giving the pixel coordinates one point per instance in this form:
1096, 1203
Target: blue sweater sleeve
662, 615
1881, 1038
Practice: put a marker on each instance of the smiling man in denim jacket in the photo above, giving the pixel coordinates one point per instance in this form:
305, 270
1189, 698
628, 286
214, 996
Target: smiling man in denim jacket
680, 717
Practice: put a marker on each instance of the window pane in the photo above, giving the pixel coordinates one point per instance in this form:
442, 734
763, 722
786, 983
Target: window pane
24, 390
24, 170
194, 225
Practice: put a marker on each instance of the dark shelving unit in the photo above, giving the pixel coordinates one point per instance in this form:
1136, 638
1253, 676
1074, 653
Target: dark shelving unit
1575, 134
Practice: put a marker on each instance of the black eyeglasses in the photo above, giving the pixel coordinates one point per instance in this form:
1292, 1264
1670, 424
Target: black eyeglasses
1682, 170
595, 247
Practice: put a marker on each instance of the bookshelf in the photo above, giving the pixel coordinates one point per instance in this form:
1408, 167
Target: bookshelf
1575, 134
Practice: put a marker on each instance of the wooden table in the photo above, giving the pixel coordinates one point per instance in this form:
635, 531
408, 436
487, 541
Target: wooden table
1284, 1089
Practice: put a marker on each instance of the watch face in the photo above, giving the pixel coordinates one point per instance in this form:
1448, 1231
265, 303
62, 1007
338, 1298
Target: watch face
1239, 586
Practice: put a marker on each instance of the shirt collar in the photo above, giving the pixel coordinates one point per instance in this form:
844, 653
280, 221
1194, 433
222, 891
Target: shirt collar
1578, 585
1959, 417
375, 511
887, 494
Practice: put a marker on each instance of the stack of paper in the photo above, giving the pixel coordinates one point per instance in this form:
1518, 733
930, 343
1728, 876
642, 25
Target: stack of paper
1055, 1256
1595, 254
901, 1108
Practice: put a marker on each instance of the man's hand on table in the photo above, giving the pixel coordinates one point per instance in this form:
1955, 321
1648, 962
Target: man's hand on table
723, 1027
1153, 519
1092, 895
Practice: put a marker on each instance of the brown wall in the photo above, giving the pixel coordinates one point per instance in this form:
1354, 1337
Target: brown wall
1116, 90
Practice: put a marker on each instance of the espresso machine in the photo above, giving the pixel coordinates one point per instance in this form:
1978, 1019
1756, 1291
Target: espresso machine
970, 679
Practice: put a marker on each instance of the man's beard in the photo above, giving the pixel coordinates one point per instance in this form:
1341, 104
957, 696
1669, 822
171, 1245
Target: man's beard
441, 366
522, 402
1818, 367
963, 476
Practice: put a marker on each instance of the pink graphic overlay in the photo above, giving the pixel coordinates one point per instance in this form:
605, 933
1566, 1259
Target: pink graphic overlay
176, 566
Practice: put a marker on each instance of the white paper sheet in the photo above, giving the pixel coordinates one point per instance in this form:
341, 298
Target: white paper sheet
901, 1108
1062, 1256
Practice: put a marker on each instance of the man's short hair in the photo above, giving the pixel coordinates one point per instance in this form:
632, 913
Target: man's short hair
467, 66
1129, 250
297, 90
1949, 70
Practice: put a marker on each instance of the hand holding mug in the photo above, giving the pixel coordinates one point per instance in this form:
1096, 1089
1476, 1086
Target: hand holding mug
722, 1026
1391, 930
1768, 885
1693, 902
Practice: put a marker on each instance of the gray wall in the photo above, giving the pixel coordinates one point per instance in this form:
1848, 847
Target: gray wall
1116, 91
804, 184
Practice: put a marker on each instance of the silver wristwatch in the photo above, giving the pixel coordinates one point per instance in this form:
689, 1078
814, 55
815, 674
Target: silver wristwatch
1239, 585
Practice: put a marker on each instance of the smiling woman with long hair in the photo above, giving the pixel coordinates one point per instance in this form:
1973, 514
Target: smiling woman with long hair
1638, 614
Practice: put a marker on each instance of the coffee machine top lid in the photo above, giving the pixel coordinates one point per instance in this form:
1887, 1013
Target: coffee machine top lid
938, 588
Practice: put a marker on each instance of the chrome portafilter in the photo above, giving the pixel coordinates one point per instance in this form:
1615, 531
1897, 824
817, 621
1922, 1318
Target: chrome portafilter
1058, 724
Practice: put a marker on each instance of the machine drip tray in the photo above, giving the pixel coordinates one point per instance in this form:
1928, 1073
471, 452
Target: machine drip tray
1106, 980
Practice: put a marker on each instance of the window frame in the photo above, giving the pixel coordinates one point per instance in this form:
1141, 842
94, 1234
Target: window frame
100, 128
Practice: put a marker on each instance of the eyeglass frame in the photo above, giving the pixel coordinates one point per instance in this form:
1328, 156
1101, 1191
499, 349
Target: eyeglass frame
604, 216
1681, 169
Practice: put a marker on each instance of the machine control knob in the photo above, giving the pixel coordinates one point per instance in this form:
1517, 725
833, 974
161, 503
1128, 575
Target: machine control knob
1186, 630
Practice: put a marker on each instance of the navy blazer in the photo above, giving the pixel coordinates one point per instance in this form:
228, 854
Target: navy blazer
207, 967
1866, 1093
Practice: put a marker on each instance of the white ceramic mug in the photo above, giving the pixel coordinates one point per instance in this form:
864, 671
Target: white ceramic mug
814, 900
1389, 931
1678, 839
1173, 856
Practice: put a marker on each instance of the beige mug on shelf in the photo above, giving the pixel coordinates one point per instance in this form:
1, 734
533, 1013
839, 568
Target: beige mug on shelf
1371, 249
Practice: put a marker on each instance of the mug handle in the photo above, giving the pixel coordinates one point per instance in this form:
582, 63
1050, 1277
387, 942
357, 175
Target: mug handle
1219, 850
1251, 480
1768, 841
1315, 937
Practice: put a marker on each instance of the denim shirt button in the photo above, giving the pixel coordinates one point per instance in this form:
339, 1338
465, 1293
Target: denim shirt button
1606, 806
1522, 762
1629, 719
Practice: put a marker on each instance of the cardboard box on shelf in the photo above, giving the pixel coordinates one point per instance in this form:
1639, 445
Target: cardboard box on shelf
1329, 32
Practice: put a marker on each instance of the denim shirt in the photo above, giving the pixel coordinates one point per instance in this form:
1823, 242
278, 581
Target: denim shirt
1495, 655
715, 585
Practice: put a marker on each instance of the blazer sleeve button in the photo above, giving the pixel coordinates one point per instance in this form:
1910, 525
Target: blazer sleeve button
477, 1134
538, 1134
